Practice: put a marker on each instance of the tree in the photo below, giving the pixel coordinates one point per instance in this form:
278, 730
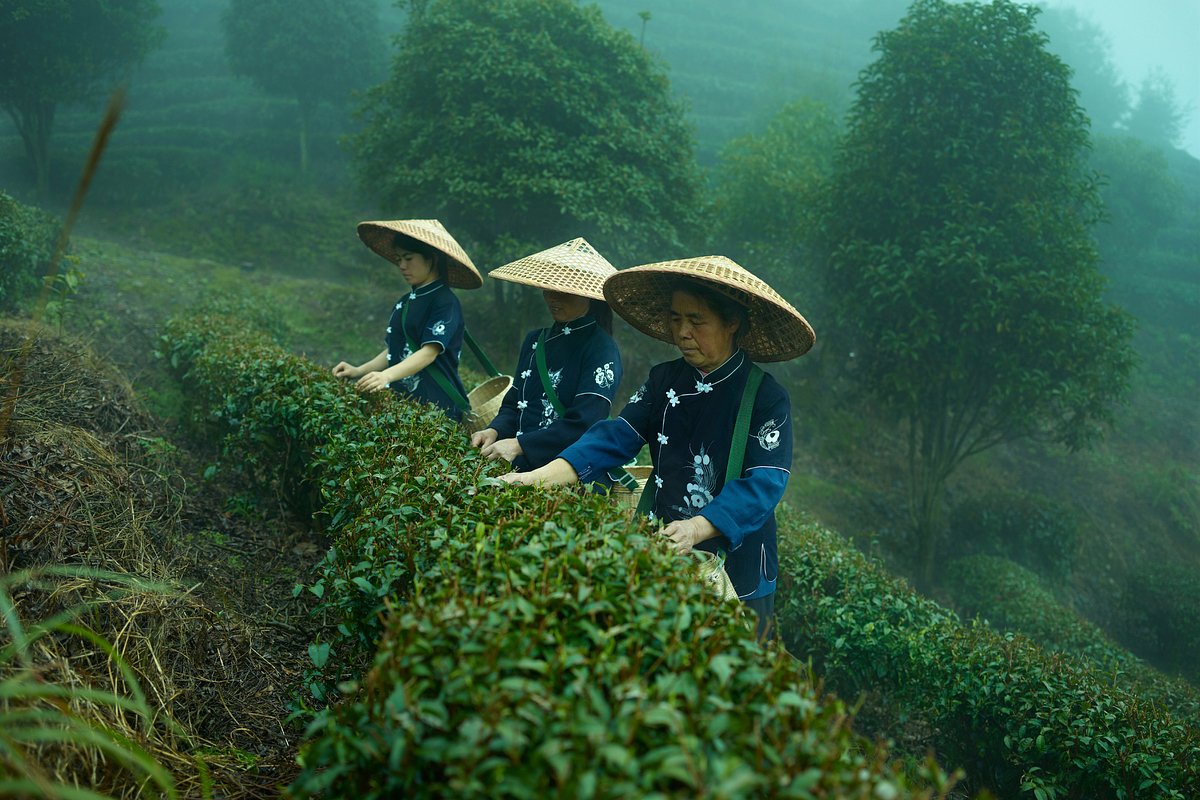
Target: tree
1156, 116
767, 194
312, 51
54, 52
959, 254
1087, 50
530, 122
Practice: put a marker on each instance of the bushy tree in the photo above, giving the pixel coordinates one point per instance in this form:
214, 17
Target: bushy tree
312, 51
1156, 116
960, 256
767, 190
531, 122
54, 52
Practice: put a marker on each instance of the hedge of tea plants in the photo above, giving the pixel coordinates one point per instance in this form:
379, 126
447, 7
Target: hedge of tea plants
1014, 599
1020, 721
526, 643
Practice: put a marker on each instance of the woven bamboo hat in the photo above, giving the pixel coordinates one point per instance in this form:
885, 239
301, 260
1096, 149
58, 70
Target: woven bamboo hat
379, 234
642, 297
572, 267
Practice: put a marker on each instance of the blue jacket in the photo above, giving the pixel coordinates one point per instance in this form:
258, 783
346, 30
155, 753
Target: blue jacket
434, 316
584, 367
687, 420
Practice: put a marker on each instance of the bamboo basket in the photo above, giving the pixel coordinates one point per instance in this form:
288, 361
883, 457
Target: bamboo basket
627, 498
711, 568
485, 400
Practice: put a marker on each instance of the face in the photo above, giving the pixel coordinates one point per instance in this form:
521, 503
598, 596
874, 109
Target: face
416, 268
565, 307
703, 338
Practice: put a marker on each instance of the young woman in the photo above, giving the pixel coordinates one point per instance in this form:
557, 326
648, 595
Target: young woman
425, 333
558, 396
722, 318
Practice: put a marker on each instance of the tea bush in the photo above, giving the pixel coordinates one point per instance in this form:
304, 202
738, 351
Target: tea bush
27, 238
1027, 528
529, 642
1018, 719
1162, 609
1013, 599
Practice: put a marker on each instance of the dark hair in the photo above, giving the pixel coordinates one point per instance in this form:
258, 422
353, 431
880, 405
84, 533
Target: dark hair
722, 304
402, 241
602, 314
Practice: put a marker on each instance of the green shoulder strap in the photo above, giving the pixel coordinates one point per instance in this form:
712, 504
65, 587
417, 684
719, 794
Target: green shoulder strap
486, 362
737, 444
450, 389
620, 474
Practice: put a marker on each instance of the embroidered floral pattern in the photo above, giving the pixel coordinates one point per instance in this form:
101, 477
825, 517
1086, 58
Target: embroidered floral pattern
672, 398
566, 330
768, 435
605, 376
636, 397
703, 387
438, 328
700, 487
662, 438
522, 404
658, 481
549, 415
389, 329
410, 383
526, 373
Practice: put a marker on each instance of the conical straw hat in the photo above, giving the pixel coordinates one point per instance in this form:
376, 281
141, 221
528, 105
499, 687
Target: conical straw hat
378, 235
572, 267
642, 297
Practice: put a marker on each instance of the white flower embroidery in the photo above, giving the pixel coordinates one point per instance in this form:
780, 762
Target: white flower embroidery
671, 396
398, 306
522, 404
526, 373
535, 345
662, 438
389, 356
389, 328
438, 328
412, 295
768, 435
636, 397
566, 330
548, 414
700, 488
605, 375
555, 377
658, 481
703, 387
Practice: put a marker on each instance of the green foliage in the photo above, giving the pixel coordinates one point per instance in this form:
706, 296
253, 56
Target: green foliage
530, 643
959, 257
1019, 720
1027, 528
1140, 196
27, 238
1162, 609
54, 52
312, 51
533, 119
1084, 47
767, 191
1156, 116
1012, 599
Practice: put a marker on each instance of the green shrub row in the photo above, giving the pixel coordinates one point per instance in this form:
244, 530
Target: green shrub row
531, 643
1013, 599
1162, 615
1021, 721
1024, 527
26, 246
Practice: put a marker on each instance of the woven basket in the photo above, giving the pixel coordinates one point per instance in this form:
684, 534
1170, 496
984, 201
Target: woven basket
711, 569
629, 498
485, 402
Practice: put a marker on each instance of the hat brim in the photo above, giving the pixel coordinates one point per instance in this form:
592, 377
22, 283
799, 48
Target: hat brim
460, 270
642, 297
572, 267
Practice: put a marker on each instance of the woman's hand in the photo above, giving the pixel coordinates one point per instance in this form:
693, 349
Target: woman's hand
484, 437
372, 382
508, 449
344, 370
687, 533
517, 478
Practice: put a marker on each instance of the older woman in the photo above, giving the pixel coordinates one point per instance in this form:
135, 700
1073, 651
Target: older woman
425, 333
567, 373
700, 414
